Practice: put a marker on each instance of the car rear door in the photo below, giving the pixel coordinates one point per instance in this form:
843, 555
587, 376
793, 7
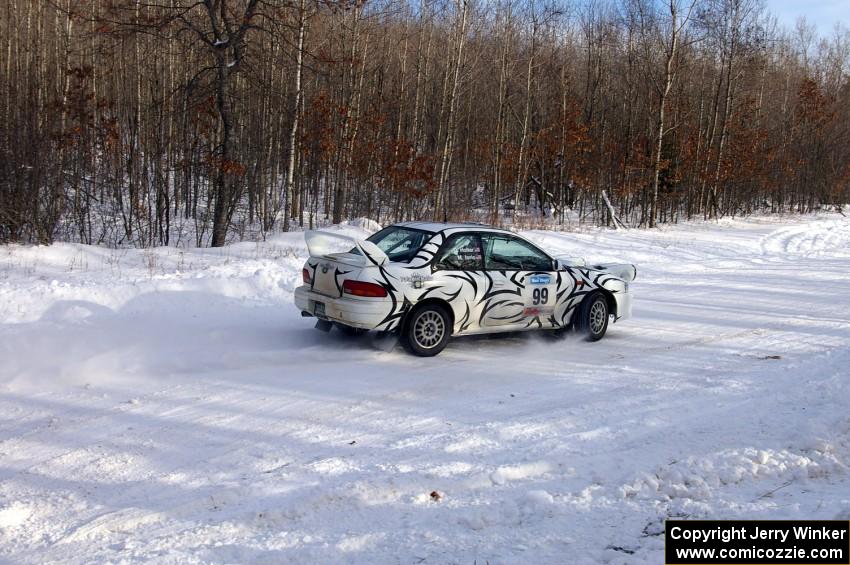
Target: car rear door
458, 278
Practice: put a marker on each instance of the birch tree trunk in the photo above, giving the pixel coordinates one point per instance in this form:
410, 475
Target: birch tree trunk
448, 146
529, 75
669, 75
289, 209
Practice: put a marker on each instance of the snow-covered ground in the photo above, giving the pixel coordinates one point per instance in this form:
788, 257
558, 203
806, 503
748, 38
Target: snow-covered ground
172, 406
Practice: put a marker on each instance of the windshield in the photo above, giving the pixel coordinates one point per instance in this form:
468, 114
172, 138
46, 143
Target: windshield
400, 244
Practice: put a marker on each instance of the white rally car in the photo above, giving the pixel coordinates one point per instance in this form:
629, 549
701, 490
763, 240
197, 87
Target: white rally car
430, 281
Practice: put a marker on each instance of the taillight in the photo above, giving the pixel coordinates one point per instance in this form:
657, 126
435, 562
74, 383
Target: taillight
305, 275
358, 288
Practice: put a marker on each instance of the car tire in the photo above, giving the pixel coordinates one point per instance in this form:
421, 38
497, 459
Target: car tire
349, 330
592, 317
427, 330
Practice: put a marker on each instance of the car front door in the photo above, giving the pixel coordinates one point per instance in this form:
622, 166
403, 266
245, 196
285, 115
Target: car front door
522, 282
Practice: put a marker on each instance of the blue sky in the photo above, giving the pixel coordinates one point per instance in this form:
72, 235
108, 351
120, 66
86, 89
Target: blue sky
822, 13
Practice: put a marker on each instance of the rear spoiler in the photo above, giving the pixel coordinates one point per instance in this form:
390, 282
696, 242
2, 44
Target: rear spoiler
356, 251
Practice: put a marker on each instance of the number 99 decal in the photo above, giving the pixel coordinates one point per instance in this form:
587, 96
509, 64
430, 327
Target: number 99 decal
540, 296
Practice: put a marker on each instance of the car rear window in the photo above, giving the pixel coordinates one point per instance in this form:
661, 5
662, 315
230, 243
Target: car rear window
399, 243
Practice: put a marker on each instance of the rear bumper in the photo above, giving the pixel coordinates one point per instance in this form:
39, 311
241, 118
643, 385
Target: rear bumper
364, 313
624, 305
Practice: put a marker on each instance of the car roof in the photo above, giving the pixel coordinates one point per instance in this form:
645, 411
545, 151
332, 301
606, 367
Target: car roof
436, 227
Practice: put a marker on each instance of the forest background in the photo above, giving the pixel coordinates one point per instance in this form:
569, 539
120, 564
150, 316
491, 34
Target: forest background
198, 122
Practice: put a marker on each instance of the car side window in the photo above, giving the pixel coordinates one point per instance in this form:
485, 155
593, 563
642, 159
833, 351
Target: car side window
461, 253
505, 253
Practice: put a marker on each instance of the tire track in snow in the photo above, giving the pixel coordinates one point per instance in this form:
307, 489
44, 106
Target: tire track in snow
808, 239
94, 522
